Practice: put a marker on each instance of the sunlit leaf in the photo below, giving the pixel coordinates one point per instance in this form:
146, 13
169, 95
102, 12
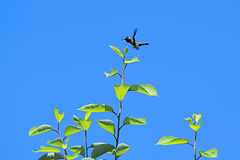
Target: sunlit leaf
134, 121
108, 125
75, 155
211, 153
168, 140
195, 127
117, 51
85, 123
51, 156
78, 148
58, 116
101, 149
96, 108
40, 129
188, 119
144, 88
135, 59
87, 115
57, 142
69, 130
121, 149
47, 149
197, 117
113, 72
125, 50
121, 90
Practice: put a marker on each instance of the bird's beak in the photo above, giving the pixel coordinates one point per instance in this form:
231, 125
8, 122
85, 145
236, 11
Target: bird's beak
122, 39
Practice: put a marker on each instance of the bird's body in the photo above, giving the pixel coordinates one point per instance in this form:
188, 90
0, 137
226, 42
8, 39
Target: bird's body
133, 41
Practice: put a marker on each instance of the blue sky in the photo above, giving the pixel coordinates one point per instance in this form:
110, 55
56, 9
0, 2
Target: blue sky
55, 53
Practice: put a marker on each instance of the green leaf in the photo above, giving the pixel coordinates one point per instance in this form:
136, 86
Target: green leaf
51, 156
197, 117
58, 116
121, 90
75, 155
121, 149
88, 159
115, 49
101, 149
85, 123
144, 88
135, 59
211, 153
168, 140
87, 115
195, 127
57, 142
125, 50
69, 130
40, 129
78, 148
134, 121
96, 108
114, 71
188, 119
47, 149
108, 125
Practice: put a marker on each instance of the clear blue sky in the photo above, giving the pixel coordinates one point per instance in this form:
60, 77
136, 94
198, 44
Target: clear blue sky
54, 54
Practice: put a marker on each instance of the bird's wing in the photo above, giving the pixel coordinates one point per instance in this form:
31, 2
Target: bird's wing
135, 31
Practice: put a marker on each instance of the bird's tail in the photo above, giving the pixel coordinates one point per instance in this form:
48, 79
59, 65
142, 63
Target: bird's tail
141, 44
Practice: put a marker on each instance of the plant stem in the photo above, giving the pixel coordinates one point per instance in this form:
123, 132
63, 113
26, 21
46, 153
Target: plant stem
199, 157
86, 143
194, 147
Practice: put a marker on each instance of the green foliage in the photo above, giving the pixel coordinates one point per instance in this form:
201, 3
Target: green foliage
87, 115
211, 153
58, 116
40, 129
144, 88
69, 130
121, 90
88, 159
51, 156
75, 155
125, 51
134, 59
134, 121
197, 117
57, 142
47, 149
121, 149
195, 127
108, 125
78, 148
116, 50
168, 140
96, 108
85, 123
100, 149
113, 72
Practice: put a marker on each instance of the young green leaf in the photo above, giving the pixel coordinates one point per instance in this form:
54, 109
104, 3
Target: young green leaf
121, 149
85, 123
57, 142
87, 115
195, 127
134, 121
47, 149
101, 149
108, 125
78, 148
188, 119
51, 156
40, 129
197, 117
69, 130
144, 88
113, 72
125, 50
168, 140
96, 108
135, 59
121, 90
58, 116
115, 49
75, 155
211, 153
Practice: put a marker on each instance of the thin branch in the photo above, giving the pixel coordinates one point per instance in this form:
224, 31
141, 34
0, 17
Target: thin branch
119, 75
115, 113
190, 144
115, 137
121, 126
64, 138
86, 143
199, 157
55, 130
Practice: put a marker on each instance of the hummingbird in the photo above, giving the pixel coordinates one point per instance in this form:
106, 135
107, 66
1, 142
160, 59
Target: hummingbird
133, 41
